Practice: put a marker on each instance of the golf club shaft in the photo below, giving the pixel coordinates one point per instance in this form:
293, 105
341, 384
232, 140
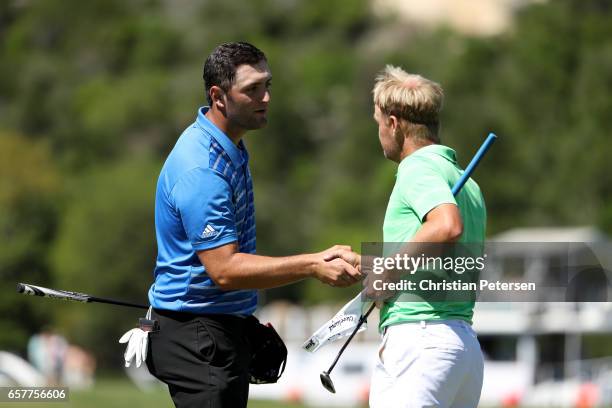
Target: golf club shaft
455, 190
362, 320
33, 290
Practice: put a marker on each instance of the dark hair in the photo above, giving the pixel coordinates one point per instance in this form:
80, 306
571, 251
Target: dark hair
220, 66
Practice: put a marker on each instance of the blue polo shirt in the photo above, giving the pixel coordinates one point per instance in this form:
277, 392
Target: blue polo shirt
204, 200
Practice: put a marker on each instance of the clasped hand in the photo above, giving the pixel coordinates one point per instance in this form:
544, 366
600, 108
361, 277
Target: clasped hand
338, 266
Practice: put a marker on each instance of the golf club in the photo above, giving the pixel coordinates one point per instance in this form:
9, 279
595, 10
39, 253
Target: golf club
32, 290
325, 375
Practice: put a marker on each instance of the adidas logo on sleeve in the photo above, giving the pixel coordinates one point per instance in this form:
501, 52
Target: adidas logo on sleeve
208, 232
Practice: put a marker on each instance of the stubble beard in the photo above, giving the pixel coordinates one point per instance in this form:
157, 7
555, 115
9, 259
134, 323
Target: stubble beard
247, 121
252, 123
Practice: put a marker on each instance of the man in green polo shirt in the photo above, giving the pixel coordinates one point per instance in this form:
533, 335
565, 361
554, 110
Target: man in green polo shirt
429, 356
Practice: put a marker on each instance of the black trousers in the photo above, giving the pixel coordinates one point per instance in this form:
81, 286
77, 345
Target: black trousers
203, 359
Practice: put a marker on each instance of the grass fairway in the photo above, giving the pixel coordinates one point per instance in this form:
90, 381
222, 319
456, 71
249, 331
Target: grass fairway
122, 393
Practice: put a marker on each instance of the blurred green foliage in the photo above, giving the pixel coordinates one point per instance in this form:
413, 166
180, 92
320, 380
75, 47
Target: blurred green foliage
29, 189
103, 245
94, 94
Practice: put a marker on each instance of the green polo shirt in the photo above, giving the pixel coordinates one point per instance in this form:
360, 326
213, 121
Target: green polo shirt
423, 182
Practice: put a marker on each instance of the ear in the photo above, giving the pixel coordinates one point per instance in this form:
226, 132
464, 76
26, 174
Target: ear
393, 123
217, 95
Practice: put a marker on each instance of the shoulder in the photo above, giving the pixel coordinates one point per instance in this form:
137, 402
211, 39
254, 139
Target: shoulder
200, 180
190, 161
192, 149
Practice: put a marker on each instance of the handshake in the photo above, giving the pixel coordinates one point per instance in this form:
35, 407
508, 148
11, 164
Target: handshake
337, 266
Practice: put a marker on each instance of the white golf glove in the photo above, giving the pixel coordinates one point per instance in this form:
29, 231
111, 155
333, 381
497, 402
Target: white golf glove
137, 342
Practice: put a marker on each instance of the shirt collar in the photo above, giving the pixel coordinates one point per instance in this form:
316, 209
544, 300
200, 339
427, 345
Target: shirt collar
441, 150
238, 154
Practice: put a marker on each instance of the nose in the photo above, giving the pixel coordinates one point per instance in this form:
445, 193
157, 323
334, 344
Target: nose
266, 96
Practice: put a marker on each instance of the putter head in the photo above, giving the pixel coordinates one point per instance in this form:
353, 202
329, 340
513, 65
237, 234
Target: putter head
327, 382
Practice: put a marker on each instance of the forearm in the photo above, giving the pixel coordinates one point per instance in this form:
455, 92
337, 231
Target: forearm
442, 225
231, 269
248, 271
429, 239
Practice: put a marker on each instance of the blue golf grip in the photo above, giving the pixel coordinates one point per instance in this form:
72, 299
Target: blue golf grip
470, 168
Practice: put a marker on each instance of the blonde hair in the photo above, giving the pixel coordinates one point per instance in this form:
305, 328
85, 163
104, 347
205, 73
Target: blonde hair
414, 100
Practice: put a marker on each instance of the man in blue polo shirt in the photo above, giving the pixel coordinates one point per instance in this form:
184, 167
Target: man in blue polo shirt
207, 273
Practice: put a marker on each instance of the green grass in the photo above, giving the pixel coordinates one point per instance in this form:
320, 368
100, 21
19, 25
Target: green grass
122, 393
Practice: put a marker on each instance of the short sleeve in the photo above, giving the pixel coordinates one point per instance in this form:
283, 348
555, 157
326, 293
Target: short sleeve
423, 187
203, 198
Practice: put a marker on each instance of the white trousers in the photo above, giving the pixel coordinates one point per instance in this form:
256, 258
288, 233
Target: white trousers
428, 364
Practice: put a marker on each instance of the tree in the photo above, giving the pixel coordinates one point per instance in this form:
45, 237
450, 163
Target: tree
106, 247
29, 193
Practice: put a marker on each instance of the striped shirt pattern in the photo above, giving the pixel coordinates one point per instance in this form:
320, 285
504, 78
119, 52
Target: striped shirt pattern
212, 299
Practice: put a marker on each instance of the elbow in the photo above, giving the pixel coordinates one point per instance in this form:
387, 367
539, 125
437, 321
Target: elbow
449, 230
223, 284
221, 266
221, 280
453, 231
